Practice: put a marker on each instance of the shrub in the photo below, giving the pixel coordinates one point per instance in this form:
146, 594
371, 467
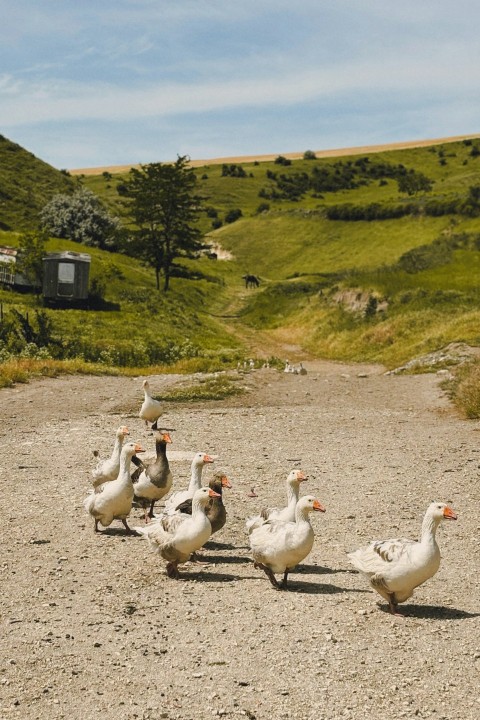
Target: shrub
309, 155
371, 307
79, 217
281, 160
263, 207
233, 170
233, 215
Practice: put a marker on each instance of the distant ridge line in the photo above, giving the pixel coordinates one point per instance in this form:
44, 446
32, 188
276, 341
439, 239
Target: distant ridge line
337, 152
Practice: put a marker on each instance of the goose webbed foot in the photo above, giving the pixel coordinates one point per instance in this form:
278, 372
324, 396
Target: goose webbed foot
128, 529
269, 574
172, 571
393, 606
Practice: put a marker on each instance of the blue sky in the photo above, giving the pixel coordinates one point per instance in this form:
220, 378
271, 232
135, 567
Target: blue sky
88, 84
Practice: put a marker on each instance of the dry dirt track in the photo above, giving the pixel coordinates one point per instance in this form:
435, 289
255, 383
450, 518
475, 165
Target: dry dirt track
93, 628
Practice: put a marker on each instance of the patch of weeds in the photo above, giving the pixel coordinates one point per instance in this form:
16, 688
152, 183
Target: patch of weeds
212, 388
464, 389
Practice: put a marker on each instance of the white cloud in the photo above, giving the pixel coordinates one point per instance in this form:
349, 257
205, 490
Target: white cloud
130, 65
421, 71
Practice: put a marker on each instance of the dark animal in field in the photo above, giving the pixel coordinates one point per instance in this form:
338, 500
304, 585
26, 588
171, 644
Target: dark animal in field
251, 281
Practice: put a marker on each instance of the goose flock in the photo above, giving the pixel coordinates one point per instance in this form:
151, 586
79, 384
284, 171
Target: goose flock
279, 538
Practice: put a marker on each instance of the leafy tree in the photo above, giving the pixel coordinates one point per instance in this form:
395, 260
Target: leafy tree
30, 258
80, 217
164, 206
309, 155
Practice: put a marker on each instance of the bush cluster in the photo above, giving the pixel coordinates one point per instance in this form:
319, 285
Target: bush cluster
341, 175
233, 170
435, 207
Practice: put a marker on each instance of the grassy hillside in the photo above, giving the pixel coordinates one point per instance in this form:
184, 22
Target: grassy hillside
26, 185
381, 290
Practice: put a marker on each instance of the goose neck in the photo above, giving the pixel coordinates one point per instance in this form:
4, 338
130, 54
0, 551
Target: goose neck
195, 478
302, 515
292, 494
124, 474
429, 528
117, 448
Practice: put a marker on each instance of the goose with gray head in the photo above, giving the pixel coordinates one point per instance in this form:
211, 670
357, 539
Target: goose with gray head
156, 479
216, 511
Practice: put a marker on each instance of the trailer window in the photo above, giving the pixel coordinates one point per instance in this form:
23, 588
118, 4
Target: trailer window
66, 272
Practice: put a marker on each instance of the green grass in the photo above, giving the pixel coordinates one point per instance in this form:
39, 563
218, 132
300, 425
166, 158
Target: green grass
208, 388
305, 262
26, 185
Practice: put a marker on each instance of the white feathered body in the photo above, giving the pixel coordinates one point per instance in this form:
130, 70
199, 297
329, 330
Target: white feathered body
282, 545
115, 500
176, 537
146, 488
395, 567
150, 409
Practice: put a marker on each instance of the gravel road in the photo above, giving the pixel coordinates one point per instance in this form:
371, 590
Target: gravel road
93, 628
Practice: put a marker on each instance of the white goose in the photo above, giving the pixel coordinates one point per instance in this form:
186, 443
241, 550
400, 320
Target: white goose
177, 537
115, 500
286, 514
396, 567
277, 547
199, 461
156, 479
107, 470
151, 409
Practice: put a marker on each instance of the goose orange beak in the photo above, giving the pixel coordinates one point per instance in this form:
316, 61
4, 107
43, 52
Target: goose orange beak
139, 448
125, 430
167, 437
301, 476
226, 482
208, 459
317, 505
449, 514
212, 493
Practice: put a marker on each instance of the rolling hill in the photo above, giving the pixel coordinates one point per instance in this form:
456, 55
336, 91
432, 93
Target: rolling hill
369, 255
26, 185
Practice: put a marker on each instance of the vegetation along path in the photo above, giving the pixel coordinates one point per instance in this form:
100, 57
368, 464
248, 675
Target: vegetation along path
92, 626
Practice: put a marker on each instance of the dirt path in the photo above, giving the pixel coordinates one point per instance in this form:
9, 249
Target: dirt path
93, 628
